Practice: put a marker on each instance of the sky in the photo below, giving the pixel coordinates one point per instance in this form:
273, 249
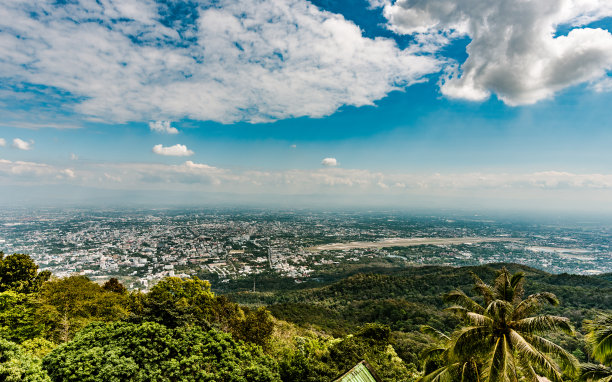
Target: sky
397, 103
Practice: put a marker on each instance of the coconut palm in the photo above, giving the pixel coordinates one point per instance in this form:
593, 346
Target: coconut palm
501, 340
600, 338
446, 366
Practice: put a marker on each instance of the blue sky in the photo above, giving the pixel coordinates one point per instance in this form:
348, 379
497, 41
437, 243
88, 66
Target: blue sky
413, 103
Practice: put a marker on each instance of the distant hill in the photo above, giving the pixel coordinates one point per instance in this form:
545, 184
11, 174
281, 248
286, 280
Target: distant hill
406, 298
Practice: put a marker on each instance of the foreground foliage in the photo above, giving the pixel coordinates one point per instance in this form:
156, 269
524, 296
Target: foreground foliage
600, 338
181, 330
16, 365
501, 340
152, 352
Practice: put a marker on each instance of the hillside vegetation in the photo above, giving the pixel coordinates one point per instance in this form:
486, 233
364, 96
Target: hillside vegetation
72, 329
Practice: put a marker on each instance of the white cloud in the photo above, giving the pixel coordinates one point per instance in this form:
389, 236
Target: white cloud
250, 60
293, 146
605, 85
555, 188
37, 126
163, 127
513, 50
22, 145
69, 173
177, 150
21, 170
2, 142
329, 162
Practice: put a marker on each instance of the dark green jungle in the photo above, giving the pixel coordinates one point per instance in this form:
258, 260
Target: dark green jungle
496, 322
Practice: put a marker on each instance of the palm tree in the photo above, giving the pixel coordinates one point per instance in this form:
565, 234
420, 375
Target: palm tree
600, 339
446, 366
501, 340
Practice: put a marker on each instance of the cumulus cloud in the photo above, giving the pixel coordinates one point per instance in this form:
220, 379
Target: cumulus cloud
177, 150
250, 60
514, 51
2, 142
163, 127
22, 145
329, 162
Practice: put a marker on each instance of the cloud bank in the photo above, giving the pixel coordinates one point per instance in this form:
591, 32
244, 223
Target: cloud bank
559, 190
225, 61
193, 174
514, 50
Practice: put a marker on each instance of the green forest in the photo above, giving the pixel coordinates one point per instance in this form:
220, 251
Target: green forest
496, 322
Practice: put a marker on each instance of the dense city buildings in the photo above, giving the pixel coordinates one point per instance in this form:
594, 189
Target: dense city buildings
143, 246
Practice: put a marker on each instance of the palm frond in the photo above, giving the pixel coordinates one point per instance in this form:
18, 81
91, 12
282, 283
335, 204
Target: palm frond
469, 372
502, 286
433, 352
478, 319
459, 298
533, 303
517, 279
517, 282
482, 288
469, 341
592, 372
458, 311
433, 332
600, 337
500, 367
567, 359
443, 374
543, 324
499, 310
528, 371
534, 357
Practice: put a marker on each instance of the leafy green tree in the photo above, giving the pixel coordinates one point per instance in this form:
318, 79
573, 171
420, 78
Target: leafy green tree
113, 285
19, 273
176, 302
256, 327
501, 340
371, 342
17, 365
69, 304
18, 321
306, 362
122, 351
317, 359
38, 347
600, 338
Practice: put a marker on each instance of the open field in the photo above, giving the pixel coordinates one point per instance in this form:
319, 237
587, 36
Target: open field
410, 242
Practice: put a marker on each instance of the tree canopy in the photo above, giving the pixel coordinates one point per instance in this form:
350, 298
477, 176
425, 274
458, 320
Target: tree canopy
122, 351
16, 365
19, 273
501, 340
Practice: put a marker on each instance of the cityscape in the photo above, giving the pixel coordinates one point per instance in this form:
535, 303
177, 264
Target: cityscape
140, 247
